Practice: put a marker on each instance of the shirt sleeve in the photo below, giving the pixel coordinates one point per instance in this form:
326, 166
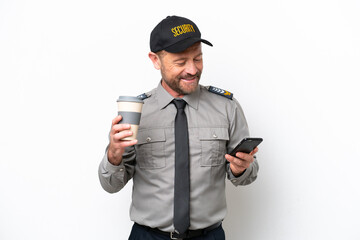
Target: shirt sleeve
239, 130
247, 177
114, 178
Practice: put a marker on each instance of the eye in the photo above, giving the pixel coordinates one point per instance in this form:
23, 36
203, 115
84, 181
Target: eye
182, 63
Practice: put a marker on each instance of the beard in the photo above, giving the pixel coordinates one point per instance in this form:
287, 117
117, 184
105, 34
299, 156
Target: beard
182, 87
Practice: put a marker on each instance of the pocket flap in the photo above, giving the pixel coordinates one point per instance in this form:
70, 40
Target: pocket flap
209, 134
151, 136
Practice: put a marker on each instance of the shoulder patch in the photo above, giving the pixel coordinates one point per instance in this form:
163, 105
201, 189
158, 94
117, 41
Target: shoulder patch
144, 96
220, 92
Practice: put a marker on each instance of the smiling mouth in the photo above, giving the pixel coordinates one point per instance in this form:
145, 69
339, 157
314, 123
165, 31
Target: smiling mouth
189, 79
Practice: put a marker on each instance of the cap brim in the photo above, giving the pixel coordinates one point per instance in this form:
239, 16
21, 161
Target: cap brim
184, 44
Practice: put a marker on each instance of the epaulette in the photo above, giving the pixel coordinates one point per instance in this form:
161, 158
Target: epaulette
144, 96
220, 92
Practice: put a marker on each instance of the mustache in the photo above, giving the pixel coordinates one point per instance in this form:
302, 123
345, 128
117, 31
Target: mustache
190, 76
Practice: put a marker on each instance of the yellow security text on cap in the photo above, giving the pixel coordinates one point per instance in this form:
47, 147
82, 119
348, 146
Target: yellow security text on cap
185, 28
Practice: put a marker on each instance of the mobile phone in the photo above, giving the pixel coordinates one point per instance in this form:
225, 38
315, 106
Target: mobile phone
246, 145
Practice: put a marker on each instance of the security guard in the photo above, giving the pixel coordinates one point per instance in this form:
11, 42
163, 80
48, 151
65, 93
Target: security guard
179, 161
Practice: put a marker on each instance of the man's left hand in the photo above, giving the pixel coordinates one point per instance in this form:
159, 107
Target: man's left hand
241, 162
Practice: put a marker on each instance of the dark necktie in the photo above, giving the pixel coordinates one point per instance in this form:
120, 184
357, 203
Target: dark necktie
182, 178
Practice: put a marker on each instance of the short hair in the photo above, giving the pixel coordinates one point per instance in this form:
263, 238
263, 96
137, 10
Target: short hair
161, 53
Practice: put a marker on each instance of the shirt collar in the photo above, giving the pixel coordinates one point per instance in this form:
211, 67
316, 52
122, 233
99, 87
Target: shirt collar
193, 99
164, 98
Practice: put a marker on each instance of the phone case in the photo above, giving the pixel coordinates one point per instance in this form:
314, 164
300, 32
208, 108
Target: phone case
246, 145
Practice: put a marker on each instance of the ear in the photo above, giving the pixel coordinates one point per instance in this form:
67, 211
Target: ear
155, 60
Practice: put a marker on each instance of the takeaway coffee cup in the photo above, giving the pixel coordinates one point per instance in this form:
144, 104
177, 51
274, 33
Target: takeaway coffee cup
130, 110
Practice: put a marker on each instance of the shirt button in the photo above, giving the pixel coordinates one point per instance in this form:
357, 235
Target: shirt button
148, 139
234, 181
214, 135
121, 169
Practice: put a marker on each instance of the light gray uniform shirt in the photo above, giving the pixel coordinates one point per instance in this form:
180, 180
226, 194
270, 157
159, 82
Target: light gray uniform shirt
216, 125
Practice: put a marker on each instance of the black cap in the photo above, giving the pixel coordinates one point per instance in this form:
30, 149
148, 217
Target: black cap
175, 34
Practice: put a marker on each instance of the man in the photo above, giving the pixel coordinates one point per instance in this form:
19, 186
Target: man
178, 162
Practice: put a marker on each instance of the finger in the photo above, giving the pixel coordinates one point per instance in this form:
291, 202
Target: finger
245, 157
128, 143
233, 160
120, 127
229, 157
118, 136
116, 120
254, 151
236, 165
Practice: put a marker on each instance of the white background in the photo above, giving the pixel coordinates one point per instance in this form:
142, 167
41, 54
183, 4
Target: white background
293, 66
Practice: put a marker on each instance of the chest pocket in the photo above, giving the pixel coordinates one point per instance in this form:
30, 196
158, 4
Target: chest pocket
150, 150
213, 145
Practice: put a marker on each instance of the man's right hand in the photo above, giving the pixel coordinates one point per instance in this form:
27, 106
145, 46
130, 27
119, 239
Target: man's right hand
117, 145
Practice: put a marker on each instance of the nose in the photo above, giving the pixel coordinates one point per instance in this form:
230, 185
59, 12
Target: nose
191, 68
